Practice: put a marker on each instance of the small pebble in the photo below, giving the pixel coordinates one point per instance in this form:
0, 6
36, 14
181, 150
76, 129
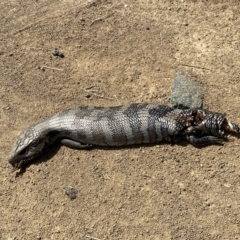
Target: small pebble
71, 192
56, 53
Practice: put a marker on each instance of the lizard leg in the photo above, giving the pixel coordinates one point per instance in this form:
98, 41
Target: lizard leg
203, 141
74, 144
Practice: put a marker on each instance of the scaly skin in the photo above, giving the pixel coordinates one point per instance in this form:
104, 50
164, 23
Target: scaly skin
84, 127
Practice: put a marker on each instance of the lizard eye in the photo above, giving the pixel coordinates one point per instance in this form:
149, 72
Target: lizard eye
32, 145
23, 151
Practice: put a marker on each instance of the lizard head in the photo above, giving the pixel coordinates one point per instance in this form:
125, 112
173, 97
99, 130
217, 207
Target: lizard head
28, 146
214, 123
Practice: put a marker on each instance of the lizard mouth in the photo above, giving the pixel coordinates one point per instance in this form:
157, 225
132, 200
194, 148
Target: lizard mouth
27, 155
19, 164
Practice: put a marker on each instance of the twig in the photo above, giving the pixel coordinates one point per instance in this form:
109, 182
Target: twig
93, 238
87, 88
95, 21
58, 69
27, 27
92, 91
100, 19
101, 96
186, 65
161, 38
42, 49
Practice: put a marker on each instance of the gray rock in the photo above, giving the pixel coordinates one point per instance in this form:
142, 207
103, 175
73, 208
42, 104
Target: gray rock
71, 192
185, 93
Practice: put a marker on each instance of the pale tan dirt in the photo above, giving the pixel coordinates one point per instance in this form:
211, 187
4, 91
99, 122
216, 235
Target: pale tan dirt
129, 50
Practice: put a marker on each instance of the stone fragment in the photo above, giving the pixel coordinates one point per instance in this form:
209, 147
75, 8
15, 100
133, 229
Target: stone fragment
185, 92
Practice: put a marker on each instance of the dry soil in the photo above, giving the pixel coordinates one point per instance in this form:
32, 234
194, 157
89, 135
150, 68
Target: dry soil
118, 52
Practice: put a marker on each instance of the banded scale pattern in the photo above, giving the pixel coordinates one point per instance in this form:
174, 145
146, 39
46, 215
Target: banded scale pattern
84, 127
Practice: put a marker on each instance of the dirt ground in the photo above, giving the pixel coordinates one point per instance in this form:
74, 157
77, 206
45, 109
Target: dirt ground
118, 52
